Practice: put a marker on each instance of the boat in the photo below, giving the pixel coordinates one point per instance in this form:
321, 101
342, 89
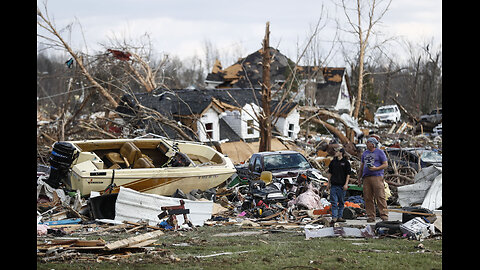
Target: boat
150, 165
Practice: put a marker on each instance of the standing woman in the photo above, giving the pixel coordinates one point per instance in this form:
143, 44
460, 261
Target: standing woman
374, 162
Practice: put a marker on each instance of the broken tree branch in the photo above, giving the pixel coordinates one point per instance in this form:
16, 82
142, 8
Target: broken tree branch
51, 28
413, 118
343, 139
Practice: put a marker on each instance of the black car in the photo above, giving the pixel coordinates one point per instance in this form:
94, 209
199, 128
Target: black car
412, 157
282, 164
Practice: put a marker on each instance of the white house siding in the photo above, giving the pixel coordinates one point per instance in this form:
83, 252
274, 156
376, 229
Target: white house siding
283, 124
238, 122
210, 116
343, 100
249, 114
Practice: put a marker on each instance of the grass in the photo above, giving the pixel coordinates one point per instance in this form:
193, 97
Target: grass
270, 249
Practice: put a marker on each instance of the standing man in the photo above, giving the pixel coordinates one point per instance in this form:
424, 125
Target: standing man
374, 162
338, 175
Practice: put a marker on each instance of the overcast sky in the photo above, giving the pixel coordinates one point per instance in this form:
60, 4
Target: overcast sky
182, 27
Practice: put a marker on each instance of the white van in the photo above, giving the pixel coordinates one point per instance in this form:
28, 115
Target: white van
387, 114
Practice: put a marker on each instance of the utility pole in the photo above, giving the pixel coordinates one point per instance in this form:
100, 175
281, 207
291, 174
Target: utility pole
265, 120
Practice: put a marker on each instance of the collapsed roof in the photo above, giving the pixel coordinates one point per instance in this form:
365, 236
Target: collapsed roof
247, 72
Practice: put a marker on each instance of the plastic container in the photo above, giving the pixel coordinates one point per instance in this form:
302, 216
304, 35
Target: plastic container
417, 228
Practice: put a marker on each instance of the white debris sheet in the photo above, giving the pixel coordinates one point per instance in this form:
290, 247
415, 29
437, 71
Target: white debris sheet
433, 199
366, 232
133, 206
416, 193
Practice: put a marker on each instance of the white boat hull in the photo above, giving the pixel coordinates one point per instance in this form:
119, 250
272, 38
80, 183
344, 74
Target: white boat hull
89, 173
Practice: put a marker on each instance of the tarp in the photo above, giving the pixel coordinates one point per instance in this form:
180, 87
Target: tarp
134, 206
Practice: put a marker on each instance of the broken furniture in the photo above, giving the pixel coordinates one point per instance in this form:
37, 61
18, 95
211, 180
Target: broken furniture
172, 211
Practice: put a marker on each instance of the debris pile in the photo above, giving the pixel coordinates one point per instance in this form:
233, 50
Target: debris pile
128, 222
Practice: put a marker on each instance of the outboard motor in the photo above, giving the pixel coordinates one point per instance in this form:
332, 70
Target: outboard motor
61, 158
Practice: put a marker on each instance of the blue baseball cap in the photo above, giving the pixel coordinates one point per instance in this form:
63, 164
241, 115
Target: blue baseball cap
373, 140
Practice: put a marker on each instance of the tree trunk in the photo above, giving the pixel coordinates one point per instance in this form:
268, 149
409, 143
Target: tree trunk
266, 119
360, 81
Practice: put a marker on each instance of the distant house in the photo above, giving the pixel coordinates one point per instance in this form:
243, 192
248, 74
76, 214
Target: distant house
247, 72
325, 87
332, 92
215, 114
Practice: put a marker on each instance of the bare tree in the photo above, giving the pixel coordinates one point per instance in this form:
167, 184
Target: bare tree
128, 58
424, 76
45, 23
370, 12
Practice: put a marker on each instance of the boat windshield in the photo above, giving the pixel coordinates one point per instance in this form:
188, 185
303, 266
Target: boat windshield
286, 161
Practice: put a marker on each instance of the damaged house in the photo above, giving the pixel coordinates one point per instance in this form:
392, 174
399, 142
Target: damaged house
329, 90
212, 114
323, 87
228, 108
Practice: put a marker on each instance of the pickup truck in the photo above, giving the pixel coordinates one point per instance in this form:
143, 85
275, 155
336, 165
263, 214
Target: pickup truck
387, 114
434, 116
282, 164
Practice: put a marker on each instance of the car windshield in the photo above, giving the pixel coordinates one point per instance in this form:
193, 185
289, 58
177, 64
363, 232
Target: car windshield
429, 156
285, 161
385, 110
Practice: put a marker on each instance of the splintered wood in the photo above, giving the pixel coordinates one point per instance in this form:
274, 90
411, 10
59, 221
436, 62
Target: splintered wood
132, 241
66, 248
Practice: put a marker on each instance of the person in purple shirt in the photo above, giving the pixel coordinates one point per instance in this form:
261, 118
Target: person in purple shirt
374, 162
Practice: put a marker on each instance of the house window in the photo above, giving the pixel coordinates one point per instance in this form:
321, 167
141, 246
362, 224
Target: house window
250, 129
290, 130
209, 130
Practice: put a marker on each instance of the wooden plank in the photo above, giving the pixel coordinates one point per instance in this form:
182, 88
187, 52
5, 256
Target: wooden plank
89, 243
136, 228
132, 240
272, 216
143, 244
408, 212
85, 248
138, 224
